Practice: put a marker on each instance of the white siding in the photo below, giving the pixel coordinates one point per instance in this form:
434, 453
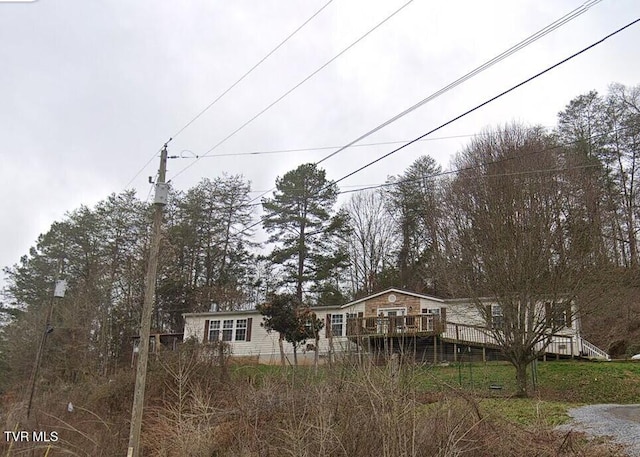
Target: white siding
426, 303
264, 345
464, 313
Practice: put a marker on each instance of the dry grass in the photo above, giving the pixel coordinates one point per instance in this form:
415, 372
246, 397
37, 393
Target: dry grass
350, 411
195, 409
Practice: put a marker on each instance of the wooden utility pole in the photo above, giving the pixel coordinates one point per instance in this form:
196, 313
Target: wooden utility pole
58, 292
145, 322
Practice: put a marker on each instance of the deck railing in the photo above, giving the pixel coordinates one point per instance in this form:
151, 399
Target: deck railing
394, 325
589, 350
468, 334
560, 345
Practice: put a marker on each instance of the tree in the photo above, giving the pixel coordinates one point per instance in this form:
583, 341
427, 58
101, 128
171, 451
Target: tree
413, 200
99, 252
298, 219
371, 241
294, 323
510, 240
207, 260
604, 133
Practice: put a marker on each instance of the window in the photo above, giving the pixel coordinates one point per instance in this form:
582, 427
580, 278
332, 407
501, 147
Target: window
435, 311
336, 324
214, 330
558, 315
227, 330
497, 319
354, 322
241, 330
230, 330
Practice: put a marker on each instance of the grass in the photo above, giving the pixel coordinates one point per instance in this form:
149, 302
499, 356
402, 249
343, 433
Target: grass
562, 381
527, 411
560, 385
571, 382
196, 408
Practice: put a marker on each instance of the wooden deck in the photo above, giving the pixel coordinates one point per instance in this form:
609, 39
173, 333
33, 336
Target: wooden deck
392, 326
428, 326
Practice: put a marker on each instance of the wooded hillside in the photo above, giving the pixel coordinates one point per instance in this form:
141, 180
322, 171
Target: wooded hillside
523, 207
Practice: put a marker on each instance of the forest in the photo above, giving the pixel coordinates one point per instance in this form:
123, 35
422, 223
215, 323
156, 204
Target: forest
523, 209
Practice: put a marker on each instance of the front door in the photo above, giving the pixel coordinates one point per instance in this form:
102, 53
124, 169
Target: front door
392, 319
393, 312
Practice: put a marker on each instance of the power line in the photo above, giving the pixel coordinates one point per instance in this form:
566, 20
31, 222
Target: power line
493, 162
317, 148
272, 104
477, 107
143, 168
363, 187
238, 81
514, 173
251, 69
512, 50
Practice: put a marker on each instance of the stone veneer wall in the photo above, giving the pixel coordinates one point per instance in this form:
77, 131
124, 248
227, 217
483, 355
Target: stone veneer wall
411, 303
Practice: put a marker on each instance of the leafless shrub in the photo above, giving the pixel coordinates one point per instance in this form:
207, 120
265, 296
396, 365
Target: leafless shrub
350, 410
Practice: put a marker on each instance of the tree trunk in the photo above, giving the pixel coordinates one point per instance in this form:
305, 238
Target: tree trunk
295, 354
521, 379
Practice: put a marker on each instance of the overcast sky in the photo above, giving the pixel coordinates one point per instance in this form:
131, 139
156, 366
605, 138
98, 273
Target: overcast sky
91, 90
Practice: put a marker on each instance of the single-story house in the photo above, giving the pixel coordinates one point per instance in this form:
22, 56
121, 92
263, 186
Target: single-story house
390, 316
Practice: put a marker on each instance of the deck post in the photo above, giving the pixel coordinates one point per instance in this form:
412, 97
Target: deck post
435, 349
455, 352
484, 353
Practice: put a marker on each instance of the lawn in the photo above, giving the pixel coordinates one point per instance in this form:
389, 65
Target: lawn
559, 385
565, 381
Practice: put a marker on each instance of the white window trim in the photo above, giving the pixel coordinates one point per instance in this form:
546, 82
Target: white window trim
334, 322
401, 310
218, 325
238, 327
431, 311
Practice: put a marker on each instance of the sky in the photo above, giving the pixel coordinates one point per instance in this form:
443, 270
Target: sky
90, 91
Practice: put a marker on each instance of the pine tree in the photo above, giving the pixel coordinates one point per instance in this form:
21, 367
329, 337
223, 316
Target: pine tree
298, 219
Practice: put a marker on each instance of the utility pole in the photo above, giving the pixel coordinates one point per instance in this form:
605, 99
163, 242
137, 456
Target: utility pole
58, 292
145, 322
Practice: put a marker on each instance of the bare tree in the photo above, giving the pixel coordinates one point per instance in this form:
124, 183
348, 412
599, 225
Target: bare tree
371, 241
510, 241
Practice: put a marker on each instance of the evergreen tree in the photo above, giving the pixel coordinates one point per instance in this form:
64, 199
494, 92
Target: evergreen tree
298, 219
414, 204
294, 324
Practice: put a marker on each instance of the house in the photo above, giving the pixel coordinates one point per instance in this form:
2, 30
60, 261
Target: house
434, 329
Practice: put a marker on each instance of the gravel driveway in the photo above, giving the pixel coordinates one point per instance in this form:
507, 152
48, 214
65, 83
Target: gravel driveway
620, 422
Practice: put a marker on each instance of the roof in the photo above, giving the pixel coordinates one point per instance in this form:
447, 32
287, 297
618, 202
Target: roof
347, 305
221, 313
392, 290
